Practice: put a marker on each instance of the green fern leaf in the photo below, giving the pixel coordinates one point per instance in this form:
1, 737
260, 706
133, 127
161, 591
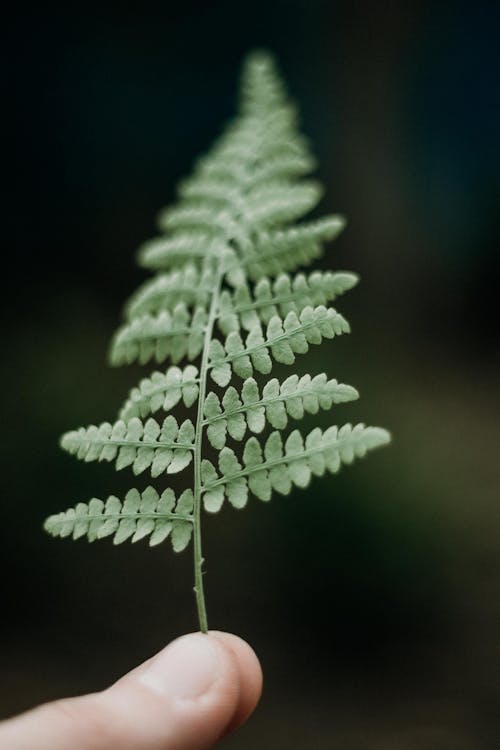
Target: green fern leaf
283, 339
166, 291
141, 514
142, 446
292, 398
195, 215
176, 335
222, 303
279, 467
189, 247
273, 204
242, 309
287, 249
162, 391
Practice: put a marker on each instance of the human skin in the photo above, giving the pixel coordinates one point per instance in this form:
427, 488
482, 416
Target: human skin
186, 697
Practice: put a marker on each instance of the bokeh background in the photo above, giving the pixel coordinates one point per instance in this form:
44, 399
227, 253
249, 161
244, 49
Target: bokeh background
372, 599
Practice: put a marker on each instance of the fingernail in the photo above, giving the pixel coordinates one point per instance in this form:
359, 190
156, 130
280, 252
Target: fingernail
186, 669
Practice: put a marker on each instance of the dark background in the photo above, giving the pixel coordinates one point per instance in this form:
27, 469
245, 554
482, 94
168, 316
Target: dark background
373, 598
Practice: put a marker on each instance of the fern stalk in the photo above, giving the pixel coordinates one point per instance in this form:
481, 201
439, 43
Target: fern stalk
224, 297
198, 487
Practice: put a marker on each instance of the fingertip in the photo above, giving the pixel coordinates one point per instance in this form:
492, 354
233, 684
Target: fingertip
225, 691
192, 693
249, 671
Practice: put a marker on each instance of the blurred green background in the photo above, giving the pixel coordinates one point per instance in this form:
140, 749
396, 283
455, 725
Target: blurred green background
373, 598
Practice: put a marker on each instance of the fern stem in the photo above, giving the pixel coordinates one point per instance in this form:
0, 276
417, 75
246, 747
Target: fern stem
197, 549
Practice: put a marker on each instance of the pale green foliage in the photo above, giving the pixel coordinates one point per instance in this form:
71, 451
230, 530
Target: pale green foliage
226, 298
142, 514
142, 446
293, 397
244, 309
176, 335
163, 390
278, 467
166, 290
281, 341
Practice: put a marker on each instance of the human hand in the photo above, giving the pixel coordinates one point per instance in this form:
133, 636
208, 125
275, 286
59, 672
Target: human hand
195, 691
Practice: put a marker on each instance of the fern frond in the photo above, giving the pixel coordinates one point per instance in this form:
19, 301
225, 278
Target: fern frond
142, 446
283, 340
261, 89
278, 469
176, 335
287, 249
140, 515
269, 254
284, 167
272, 137
269, 205
292, 398
164, 292
240, 309
162, 391
212, 173
188, 247
222, 299
167, 290
265, 205
195, 216
214, 190
288, 161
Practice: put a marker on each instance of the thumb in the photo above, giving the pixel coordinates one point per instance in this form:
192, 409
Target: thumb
184, 698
